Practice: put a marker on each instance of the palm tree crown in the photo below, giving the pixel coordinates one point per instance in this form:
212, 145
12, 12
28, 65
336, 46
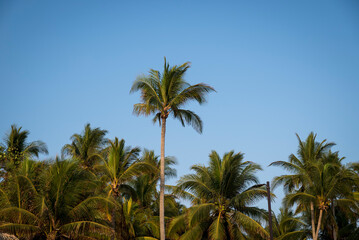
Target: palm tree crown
120, 166
310, 151
166, 93
85, 147
16, 148
225, 191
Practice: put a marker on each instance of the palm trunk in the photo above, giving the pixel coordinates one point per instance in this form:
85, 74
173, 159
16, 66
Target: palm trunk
319, 220
313, 223
113, 223
113, 217
334, 222
162, 183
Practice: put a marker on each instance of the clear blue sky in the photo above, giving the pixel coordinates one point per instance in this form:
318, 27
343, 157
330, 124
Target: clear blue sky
279, 68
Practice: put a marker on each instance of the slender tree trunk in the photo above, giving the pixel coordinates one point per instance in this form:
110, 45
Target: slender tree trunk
334, 225
313, 223
319, 220
113, 217
113, 223
162, 183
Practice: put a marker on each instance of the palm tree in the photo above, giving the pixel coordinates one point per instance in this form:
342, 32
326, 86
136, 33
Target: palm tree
119, 166
146, 195
165, 94
287, 226
340, 194
16, 148
118, 170
138, 224
317, 180
348, 226
86, 147
145, 185
61, 206
225, 191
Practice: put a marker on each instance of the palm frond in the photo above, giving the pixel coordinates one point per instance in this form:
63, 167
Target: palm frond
83, 227
217, 229
189, 117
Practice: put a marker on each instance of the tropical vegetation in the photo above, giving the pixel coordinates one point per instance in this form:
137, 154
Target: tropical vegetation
101, 188
116, 196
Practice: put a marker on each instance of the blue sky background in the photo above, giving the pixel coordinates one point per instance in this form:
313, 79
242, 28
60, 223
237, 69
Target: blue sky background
279, 68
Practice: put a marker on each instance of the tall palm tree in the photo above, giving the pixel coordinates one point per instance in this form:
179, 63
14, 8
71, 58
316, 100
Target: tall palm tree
225, 190
86, 147
165, 94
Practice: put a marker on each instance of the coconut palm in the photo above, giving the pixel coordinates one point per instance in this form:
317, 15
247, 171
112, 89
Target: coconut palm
138, 223
340, 195
348, 227
86, 147
226, 189
119, 167
163, 95
146, 195
145, 185
328, 189
118, 170
288, 226
61, 206
317, 180
15, 147
308, 152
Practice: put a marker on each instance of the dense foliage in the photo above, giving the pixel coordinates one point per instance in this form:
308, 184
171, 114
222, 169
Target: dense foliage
103, 189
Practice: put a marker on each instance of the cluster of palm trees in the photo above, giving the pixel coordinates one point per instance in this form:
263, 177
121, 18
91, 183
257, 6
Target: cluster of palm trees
103, 189
322, 189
